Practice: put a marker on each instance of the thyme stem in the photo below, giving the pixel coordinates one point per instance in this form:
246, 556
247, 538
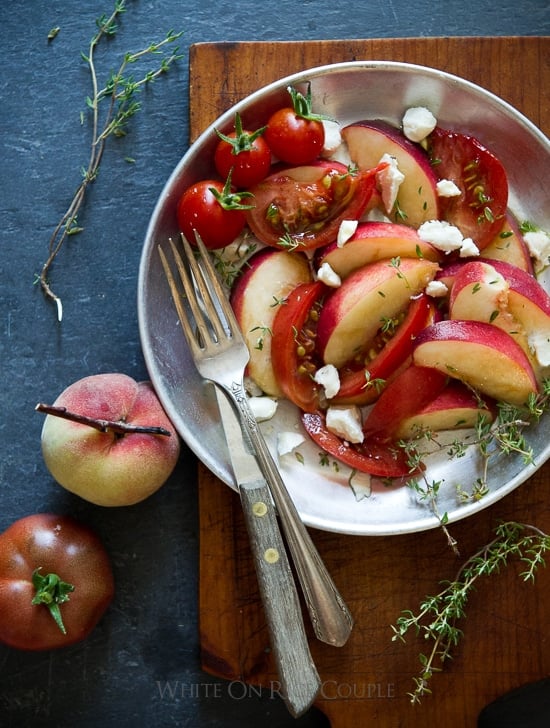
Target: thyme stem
437, 615
120, 90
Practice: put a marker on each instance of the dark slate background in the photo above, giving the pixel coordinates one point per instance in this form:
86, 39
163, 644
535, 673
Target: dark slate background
147, 644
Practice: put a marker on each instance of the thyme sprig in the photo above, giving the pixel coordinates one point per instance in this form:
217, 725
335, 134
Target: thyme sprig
118, 97
437, 617
504, 436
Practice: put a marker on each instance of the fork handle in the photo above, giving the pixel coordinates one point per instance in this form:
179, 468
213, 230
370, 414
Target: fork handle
300, 681
331, 619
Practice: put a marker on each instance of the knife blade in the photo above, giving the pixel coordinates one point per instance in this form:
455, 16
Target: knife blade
300, 682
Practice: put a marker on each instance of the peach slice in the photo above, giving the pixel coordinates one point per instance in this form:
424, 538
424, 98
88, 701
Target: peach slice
353, 313
362, 386
404, 397
454, 408
480, 293
417, 199
529, 304
509, 246
479, 354
270, 276
374, 241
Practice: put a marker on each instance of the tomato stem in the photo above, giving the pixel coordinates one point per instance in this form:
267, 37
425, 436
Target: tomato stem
302, 105
118, 428
51, 591
242, 141
230, 200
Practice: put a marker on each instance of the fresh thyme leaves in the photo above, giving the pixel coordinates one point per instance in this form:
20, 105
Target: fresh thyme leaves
503, 436
437, 616
118, 100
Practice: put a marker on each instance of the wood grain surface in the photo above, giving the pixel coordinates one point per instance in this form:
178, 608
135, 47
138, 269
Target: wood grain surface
505, 640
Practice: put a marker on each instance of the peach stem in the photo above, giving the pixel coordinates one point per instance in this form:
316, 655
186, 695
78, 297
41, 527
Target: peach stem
119, 428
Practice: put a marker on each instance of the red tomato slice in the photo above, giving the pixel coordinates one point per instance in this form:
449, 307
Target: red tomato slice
480, 210
354, 388
372, 457
303, 207
292, 345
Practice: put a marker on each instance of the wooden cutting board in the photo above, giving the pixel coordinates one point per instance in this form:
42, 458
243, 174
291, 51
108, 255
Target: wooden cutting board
506, 631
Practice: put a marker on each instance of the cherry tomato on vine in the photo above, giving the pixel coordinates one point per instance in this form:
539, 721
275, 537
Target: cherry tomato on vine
214, 210
55, 582
479, 211
294, 133
244, 154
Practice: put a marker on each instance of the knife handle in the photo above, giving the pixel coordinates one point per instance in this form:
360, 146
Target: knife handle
300, 682
330, 616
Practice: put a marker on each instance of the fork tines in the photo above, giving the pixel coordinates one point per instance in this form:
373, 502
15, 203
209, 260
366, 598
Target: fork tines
212, 314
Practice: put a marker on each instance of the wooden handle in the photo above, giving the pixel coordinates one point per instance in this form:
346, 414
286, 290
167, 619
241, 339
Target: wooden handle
300, 681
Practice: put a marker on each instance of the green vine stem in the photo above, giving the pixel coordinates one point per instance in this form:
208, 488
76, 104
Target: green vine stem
437, 616
51, 591
119, 93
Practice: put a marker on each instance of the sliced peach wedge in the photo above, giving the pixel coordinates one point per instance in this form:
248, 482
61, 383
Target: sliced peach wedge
481, 293
509, 246
479, 354
455, 408
417, 198
270, 276
362, 385
406, 395
354, 312
374, 241
529, 304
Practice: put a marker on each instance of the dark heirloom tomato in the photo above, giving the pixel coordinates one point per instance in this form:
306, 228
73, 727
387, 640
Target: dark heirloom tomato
55, 582
303, 207
370, 457
480, 210
293, 343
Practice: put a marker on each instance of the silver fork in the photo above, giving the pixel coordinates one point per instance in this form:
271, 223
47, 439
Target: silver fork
220, 354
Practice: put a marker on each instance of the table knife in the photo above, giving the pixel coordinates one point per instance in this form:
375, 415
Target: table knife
300, 682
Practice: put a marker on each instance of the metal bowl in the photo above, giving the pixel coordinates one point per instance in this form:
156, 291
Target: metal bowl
348, 92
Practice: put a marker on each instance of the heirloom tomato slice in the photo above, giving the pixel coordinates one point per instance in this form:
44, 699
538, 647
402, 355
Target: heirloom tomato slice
303, 207
479, 212
371, 456
293, 345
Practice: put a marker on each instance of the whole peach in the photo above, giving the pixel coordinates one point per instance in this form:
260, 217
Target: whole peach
114, 467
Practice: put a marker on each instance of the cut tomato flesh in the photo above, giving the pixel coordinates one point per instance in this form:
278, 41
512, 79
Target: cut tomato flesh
303, 207
479, 212
291, 347
372, 457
